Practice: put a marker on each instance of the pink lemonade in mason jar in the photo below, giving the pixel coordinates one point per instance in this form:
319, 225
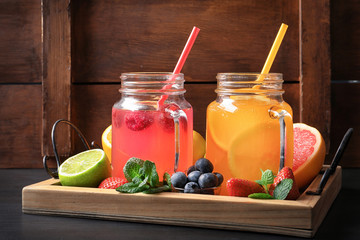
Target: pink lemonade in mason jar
144, 128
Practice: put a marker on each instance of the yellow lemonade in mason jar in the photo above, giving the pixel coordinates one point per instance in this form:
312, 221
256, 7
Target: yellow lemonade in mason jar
243, 126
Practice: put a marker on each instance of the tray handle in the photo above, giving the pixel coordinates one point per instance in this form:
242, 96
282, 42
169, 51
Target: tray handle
54, 174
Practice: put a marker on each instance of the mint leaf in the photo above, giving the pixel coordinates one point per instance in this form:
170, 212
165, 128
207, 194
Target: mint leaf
163, 188
137, 180
149, 171
167, 179
144, 181
267, 177
145, 170
260, 182
131, 187
261, 196
132, 167
126, 188
142, 177
140, 188
283, 188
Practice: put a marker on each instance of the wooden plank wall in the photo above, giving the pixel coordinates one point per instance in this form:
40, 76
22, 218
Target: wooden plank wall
345, 87
97, 63
155, 40
315, 66
56, 83
20, 83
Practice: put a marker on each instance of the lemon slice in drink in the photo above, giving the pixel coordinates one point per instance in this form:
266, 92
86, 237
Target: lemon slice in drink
199, 146
86, 169
106, 141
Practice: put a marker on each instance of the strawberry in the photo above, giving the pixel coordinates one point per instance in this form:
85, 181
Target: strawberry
243, 188
138, 120
286, 173
112, 182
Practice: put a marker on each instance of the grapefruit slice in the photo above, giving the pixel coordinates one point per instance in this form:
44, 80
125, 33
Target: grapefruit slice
309, 153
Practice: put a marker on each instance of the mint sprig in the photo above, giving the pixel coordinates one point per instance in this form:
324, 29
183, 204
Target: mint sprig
261, 196
267, 178
132, 168
281, 190
143, 177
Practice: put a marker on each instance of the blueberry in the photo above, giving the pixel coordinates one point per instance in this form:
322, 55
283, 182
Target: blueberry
204, 165
191, 187
208, 180
178, 179
194, 176
220, 178
190, 169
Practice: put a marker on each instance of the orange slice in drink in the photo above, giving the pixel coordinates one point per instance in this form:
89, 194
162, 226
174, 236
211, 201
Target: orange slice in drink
106, 141
215, 125
256, 149
222, 121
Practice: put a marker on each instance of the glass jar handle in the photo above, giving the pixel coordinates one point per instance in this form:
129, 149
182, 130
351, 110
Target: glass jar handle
176, 115
279, 113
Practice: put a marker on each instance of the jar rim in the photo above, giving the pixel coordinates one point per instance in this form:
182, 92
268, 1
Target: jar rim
249, 76
249, 83
165, 83
145, 75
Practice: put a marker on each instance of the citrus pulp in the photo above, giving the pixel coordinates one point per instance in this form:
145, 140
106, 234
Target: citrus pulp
198, 146
309, 153
86, 169
106, 141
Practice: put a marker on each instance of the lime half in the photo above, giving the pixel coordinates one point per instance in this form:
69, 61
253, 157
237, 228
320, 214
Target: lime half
86, 169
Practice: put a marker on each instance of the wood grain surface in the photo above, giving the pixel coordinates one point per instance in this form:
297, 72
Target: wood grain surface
315, 66
20, 126
56, 74
236, 36
20, 41
345, 40
345, 115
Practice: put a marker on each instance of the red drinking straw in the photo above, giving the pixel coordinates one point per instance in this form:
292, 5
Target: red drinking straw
181, 61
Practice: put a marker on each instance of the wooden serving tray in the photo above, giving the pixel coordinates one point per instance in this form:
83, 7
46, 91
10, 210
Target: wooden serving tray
297, 218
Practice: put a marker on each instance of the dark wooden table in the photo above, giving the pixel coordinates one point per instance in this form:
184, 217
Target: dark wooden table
341, 222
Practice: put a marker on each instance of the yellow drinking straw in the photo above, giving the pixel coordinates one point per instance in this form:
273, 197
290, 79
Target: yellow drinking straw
273, 51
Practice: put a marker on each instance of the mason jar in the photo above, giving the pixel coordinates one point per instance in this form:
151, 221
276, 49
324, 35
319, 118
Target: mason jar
152, 121
249, 126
